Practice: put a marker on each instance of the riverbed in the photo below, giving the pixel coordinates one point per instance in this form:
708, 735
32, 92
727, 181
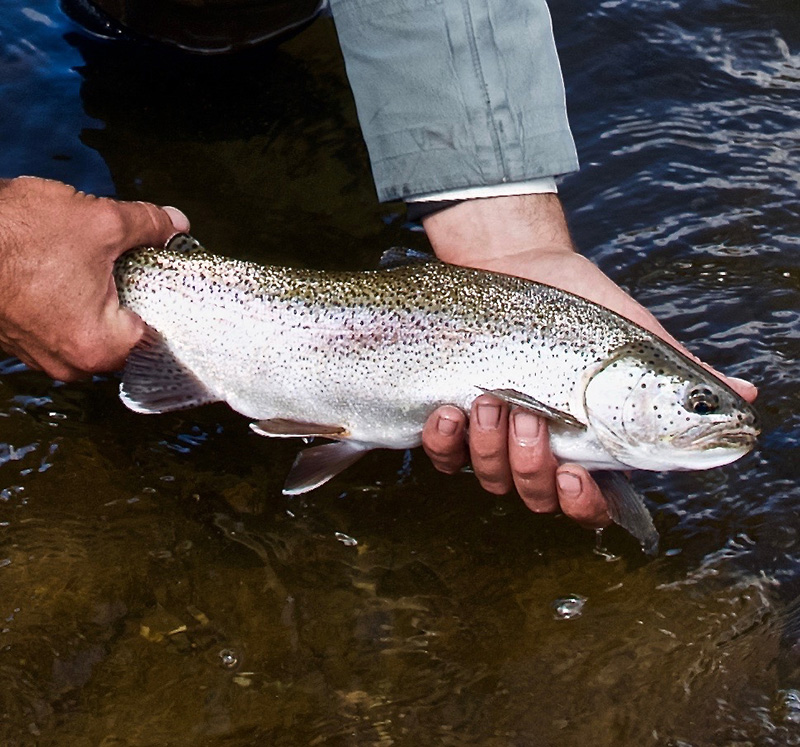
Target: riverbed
156, 587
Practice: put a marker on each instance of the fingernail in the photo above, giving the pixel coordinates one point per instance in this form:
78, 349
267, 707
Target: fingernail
526, 426
179, 220
445, 426
568, 483
488, 415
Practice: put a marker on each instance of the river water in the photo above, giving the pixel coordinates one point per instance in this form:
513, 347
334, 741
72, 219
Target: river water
157, 589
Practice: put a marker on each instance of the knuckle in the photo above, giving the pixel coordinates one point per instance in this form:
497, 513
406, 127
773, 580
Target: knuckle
487, 451
110, 219
530, 473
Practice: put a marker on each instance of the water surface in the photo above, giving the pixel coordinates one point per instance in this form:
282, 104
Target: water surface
155, 586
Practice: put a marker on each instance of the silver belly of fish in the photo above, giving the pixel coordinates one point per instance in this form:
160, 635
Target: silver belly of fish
363, 358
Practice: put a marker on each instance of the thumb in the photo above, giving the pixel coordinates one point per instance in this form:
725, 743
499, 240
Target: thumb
145, 224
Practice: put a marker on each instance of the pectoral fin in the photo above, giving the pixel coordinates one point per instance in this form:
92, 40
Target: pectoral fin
284, 428
314, 467
627, 508
513, 397
155, 381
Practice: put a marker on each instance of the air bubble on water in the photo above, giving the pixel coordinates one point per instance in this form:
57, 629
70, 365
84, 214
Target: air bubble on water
229, 658
500, 509
569, 608
346, 539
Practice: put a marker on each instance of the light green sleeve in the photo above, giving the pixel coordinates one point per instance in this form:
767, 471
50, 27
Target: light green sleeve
455, 93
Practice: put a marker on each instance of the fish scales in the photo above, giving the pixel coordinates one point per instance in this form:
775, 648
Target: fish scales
363, 358
378, 330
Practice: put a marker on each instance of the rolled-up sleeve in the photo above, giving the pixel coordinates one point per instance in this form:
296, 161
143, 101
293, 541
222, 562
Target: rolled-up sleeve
455, 93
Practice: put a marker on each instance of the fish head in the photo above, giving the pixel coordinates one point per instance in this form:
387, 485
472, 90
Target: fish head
653, 408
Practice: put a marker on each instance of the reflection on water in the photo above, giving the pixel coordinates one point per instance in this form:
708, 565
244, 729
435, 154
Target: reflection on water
157, 587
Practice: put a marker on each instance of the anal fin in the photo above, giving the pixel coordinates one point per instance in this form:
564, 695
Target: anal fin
315, 466
627, 508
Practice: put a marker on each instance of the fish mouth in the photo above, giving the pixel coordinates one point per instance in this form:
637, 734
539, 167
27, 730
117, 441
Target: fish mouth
722, 436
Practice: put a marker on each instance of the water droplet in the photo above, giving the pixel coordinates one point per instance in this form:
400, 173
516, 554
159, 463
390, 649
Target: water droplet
346, 539
569, 608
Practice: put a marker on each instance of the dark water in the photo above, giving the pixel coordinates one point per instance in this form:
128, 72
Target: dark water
157, 589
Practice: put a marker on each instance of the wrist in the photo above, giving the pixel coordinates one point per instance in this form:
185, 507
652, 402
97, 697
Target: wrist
489, 231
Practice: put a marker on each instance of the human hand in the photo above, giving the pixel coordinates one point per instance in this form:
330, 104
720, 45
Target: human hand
527, 237
58, 304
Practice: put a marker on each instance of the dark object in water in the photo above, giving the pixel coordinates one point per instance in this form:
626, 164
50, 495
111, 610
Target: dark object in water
197, 26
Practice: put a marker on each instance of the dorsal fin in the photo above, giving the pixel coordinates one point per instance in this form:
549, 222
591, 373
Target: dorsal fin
401, 256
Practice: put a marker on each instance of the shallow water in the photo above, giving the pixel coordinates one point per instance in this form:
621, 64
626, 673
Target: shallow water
155, 586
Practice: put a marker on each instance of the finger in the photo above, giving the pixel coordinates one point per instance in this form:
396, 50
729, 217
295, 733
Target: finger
745, 389
580, 498
178, 218
124, 330
532, 463
51, 365
488, 444
444, 439
141, 224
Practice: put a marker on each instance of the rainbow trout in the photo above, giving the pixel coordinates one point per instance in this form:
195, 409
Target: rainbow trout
363, 358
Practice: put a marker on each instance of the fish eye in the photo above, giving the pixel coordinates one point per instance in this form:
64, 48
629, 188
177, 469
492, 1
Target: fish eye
702, 400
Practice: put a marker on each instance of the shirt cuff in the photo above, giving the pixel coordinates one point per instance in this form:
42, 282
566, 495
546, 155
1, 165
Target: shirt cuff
544, 185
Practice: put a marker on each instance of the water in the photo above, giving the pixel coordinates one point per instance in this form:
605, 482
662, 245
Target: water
157, 588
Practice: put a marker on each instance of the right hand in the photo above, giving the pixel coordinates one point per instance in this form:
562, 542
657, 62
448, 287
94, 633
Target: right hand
526, 236
59, 310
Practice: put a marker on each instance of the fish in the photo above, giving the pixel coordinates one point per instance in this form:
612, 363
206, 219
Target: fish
362, 358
